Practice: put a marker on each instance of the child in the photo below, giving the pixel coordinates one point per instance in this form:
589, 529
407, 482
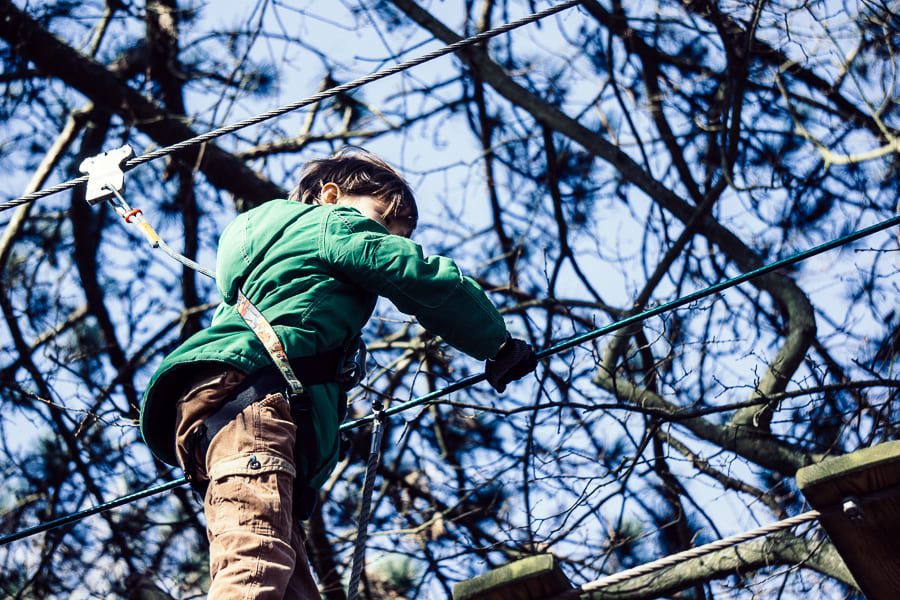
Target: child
314, 266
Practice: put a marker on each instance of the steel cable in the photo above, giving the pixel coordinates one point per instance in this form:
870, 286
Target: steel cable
333, 91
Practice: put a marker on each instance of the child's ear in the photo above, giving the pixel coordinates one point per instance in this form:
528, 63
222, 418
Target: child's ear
330, 193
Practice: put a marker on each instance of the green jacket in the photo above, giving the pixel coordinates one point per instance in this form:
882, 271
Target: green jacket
315, 273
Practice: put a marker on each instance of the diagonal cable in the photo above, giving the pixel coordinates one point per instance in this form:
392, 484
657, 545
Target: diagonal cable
543, 354
333, 91
686, 555
847, 507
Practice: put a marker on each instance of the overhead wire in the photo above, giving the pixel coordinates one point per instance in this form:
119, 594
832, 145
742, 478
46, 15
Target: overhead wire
542, 355
318, 97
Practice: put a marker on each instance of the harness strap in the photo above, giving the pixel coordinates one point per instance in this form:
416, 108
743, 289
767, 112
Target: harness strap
106, 181
315, 370
274, 348
231, 409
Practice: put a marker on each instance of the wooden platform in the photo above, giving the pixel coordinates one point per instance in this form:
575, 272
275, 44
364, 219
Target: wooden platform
859, 496
532, 578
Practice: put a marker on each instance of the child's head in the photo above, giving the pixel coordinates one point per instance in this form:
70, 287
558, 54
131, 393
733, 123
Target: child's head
361, 179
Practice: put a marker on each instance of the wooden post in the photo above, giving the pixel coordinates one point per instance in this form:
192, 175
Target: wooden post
532, 578
859, 497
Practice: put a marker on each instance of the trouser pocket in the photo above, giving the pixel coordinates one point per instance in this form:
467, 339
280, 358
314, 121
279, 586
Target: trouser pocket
251, 471
251, 492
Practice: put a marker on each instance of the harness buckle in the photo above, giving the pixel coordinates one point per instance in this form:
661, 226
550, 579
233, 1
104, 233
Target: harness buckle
295, 399
352, 369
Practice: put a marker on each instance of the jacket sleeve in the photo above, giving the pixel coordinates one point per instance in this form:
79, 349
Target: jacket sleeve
431, 288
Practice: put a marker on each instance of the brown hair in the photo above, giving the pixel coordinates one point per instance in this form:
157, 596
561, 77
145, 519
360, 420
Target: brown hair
358, 172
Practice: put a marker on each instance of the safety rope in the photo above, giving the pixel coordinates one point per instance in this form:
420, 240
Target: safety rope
333, 91
543, 354
135, 216
362, 526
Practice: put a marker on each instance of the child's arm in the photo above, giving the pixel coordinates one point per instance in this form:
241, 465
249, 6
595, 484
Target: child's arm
432, 288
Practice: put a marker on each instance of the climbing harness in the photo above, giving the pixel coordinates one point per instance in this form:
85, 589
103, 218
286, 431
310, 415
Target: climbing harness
106, 181
315, 370
353, 366
275, 349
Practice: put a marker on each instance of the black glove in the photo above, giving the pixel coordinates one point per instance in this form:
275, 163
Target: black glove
514, 360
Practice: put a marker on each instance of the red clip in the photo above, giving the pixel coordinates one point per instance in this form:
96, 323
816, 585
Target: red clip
131, 214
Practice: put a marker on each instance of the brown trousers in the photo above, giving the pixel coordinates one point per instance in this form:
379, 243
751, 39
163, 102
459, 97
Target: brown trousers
255, 547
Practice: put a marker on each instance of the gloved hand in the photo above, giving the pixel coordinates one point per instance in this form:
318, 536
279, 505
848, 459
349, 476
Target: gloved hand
514, 360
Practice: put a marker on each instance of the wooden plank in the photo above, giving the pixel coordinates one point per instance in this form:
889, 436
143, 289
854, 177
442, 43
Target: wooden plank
532, 578
869, 542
